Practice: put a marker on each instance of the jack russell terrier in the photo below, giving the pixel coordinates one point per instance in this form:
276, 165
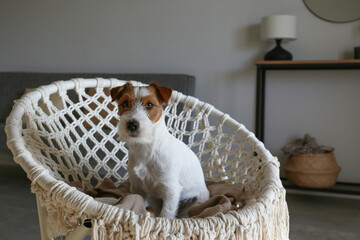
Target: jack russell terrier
161, 168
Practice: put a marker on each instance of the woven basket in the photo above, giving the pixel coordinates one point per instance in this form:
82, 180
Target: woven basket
56, 145
312, 170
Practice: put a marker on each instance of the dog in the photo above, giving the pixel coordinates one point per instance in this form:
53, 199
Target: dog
161, 168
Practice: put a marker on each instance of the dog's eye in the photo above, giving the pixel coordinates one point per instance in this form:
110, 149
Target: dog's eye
125, 104
149, 105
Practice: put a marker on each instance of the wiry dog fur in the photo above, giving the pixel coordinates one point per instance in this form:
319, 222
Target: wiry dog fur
161, 168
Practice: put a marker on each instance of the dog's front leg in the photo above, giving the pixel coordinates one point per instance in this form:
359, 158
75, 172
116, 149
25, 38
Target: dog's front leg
136, 188
170, 204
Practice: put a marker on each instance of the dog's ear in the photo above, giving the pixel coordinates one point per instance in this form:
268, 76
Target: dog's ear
162, 93
117, 92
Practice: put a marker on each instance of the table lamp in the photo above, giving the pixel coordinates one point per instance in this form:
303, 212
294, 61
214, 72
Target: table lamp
278, 28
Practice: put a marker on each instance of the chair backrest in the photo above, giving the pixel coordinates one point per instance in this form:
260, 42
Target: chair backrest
13, 85
72, 132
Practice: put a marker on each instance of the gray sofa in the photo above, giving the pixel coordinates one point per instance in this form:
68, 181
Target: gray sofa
13, 85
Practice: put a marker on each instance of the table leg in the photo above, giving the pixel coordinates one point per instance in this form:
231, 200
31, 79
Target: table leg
260, 103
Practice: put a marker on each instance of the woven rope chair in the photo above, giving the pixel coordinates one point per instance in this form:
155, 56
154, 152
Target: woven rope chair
61, 132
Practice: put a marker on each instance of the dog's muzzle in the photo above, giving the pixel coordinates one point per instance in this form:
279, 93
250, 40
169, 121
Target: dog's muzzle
133, 126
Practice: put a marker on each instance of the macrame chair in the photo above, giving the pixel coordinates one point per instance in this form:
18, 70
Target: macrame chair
61, 133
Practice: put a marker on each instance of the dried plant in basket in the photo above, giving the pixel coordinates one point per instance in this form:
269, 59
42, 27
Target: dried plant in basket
305, 145
309, 164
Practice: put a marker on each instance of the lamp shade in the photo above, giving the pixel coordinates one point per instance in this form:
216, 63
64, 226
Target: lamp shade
278, 27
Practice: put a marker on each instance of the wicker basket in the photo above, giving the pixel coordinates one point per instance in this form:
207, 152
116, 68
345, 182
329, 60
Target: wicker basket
56, 147
312, 170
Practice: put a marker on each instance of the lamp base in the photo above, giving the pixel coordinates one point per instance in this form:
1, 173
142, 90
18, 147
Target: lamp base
278, 53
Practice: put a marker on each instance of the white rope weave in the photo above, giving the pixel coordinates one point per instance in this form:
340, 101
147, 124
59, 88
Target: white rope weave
73, 138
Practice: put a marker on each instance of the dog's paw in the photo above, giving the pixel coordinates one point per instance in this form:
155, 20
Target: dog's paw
167, 215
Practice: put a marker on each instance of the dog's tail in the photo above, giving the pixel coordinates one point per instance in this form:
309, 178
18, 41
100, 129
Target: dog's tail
184, 206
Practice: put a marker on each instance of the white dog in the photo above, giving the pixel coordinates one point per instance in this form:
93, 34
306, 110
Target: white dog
161, 167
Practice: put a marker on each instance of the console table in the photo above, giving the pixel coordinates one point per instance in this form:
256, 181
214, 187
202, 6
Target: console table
263, 66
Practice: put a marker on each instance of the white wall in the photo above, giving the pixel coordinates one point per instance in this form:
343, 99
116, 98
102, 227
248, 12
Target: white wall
217, 41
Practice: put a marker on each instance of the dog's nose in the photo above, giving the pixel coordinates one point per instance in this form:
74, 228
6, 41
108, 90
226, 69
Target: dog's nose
132, 125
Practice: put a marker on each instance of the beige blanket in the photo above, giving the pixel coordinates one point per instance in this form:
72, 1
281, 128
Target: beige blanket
223, 198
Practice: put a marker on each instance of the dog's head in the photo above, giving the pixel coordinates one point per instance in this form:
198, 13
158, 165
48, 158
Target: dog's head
140, 110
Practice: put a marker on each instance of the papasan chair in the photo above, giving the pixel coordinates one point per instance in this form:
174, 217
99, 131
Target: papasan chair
74, 139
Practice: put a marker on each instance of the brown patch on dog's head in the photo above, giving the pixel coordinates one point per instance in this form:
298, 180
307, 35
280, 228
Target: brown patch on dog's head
152, 106
152, 98
162, 93
124, 96
158, 97
117, 92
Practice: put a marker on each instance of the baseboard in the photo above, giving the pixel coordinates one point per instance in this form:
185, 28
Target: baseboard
323, 194
340, 189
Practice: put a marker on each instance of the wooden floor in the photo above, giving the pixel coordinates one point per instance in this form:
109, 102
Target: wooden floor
311, 217
323, 218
